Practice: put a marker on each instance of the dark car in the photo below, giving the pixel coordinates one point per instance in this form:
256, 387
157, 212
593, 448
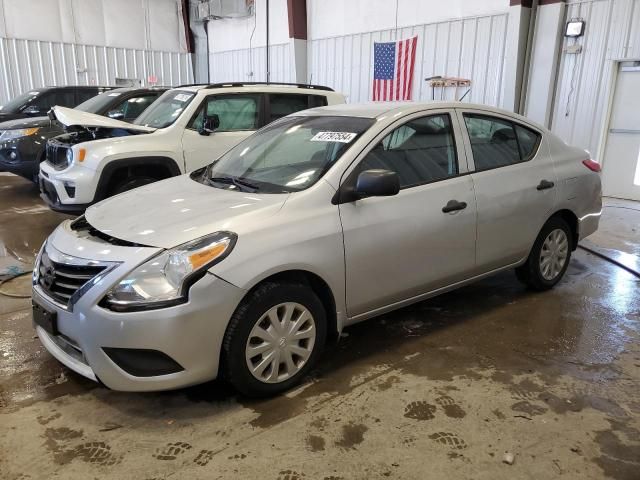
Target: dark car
23, 141
38, 101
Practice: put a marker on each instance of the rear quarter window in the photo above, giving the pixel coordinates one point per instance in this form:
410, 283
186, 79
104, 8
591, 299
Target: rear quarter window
528, 141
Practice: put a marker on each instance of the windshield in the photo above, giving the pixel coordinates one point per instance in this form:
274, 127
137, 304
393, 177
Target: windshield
98, 103
20, 102
287, 156
166, 110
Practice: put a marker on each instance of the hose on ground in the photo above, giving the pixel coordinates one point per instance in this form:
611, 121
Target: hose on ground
610, 260
13, 295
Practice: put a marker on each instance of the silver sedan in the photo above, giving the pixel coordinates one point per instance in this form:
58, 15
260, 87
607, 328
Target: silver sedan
244, 269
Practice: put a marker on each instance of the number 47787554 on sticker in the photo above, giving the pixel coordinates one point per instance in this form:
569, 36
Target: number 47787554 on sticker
342, 137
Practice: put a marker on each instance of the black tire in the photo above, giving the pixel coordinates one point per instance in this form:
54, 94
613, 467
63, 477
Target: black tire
130, 184
234, 363
530, 273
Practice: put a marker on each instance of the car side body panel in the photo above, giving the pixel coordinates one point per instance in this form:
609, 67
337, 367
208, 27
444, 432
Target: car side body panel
416, 246
509, 204
312, 225
579, 189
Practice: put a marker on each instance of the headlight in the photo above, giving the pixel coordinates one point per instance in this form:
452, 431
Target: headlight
18, 133
69, 157
165, 279
36, 266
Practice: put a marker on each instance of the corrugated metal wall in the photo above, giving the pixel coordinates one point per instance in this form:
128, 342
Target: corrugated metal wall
237, 65
585, 80
472, 48
30, 64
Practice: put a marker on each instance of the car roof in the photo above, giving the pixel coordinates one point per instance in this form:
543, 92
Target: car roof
379, 110
139, 89
258, 87
71, 87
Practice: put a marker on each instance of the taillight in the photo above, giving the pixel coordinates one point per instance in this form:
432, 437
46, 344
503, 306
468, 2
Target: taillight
591, 165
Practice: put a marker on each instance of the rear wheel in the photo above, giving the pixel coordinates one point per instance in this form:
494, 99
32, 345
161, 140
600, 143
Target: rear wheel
130, 184
273, 339
549, 257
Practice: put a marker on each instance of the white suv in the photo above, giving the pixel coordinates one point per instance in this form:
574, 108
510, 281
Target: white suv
185, 129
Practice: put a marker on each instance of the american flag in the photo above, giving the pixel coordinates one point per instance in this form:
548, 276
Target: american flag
393, 69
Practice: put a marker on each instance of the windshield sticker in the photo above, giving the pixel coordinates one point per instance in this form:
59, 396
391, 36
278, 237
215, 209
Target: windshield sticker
341, 137
182, 97
114, 94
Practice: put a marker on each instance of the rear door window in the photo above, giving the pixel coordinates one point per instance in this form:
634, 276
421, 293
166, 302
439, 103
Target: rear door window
494, 142
283, 104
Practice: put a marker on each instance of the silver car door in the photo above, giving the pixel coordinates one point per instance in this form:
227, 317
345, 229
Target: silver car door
402, 246
514, 179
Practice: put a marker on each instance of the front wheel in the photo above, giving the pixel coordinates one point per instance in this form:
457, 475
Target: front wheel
549, 257
274, 338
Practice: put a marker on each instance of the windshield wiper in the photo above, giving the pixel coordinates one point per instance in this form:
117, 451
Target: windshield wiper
239, 182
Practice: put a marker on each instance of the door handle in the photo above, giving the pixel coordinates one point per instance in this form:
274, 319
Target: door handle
545, 184
454, 205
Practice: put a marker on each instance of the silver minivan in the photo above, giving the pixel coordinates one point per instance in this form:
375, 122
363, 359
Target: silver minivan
245, 268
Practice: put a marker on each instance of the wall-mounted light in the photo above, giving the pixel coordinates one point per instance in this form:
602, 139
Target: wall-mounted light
574, 28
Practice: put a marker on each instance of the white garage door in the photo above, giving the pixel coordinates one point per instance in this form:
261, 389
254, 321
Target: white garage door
621, 166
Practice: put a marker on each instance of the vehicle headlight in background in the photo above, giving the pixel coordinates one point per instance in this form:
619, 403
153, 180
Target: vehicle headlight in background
17, 133
164, 280
69, 157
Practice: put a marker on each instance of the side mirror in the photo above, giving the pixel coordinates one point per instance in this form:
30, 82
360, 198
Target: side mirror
32, 110
377, 183
209, 124
116, 114
370, 183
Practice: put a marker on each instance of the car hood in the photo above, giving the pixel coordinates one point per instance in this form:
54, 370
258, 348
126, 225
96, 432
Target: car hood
174, 211
31, 122
71, 117
10, 116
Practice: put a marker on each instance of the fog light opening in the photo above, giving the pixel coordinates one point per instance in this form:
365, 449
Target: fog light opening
70, 188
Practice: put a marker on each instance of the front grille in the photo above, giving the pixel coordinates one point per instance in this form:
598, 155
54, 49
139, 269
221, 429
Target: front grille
60, 281
57, 155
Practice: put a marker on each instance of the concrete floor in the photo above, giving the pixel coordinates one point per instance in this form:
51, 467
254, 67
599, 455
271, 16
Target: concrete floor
442, 389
